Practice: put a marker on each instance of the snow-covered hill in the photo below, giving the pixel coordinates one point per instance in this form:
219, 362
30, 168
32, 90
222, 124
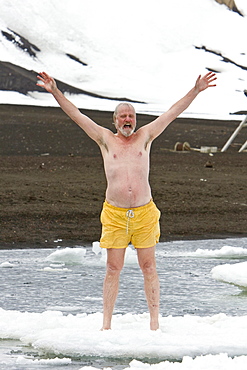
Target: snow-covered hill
143, 50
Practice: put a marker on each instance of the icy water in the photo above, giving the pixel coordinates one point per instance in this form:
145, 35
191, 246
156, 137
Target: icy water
37, 280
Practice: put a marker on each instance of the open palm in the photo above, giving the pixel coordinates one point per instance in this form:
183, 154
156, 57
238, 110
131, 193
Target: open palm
202, 83
46, 82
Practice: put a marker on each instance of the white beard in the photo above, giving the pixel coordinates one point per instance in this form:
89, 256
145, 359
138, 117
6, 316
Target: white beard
126, 133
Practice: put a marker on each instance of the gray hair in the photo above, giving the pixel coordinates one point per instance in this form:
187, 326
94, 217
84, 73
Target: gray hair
117, 109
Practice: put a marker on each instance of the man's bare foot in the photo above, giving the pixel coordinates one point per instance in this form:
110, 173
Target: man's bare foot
154, 326
102, 329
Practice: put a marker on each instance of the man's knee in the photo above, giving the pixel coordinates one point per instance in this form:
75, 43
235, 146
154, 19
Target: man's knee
115, 261
148, 268
114, 268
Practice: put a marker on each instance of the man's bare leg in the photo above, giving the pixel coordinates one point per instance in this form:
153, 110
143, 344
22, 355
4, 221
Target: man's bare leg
147, 262
114, 265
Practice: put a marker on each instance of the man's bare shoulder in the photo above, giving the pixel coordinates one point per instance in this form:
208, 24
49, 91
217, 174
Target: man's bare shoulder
106, 139
145, 134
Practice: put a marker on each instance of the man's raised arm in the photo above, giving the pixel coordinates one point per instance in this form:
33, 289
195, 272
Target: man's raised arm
90, 127
157, 126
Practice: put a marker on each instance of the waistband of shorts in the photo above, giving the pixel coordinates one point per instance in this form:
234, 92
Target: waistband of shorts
145, 206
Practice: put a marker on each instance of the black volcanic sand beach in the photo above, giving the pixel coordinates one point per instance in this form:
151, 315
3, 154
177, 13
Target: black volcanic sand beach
53, 183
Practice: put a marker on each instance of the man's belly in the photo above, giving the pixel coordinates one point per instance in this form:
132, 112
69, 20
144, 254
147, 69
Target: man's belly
128, 196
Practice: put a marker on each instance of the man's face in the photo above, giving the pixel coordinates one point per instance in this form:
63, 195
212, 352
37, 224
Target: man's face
125, 120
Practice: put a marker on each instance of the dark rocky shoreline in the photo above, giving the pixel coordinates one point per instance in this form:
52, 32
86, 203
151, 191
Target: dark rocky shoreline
53, 184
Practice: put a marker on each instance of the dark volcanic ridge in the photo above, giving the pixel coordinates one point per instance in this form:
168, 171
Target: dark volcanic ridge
15, 78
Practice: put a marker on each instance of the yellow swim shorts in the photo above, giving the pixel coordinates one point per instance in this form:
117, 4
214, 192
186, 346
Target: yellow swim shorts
122, 226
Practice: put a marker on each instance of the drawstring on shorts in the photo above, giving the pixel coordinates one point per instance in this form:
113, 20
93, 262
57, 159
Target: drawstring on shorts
129, 214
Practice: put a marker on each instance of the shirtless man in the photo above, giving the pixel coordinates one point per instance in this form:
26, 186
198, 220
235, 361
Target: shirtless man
129, 214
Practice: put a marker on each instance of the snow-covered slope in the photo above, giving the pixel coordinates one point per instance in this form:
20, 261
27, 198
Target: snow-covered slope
144, 50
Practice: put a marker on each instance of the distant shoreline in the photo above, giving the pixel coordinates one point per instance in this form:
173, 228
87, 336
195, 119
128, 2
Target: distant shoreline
52, 183
231, 117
